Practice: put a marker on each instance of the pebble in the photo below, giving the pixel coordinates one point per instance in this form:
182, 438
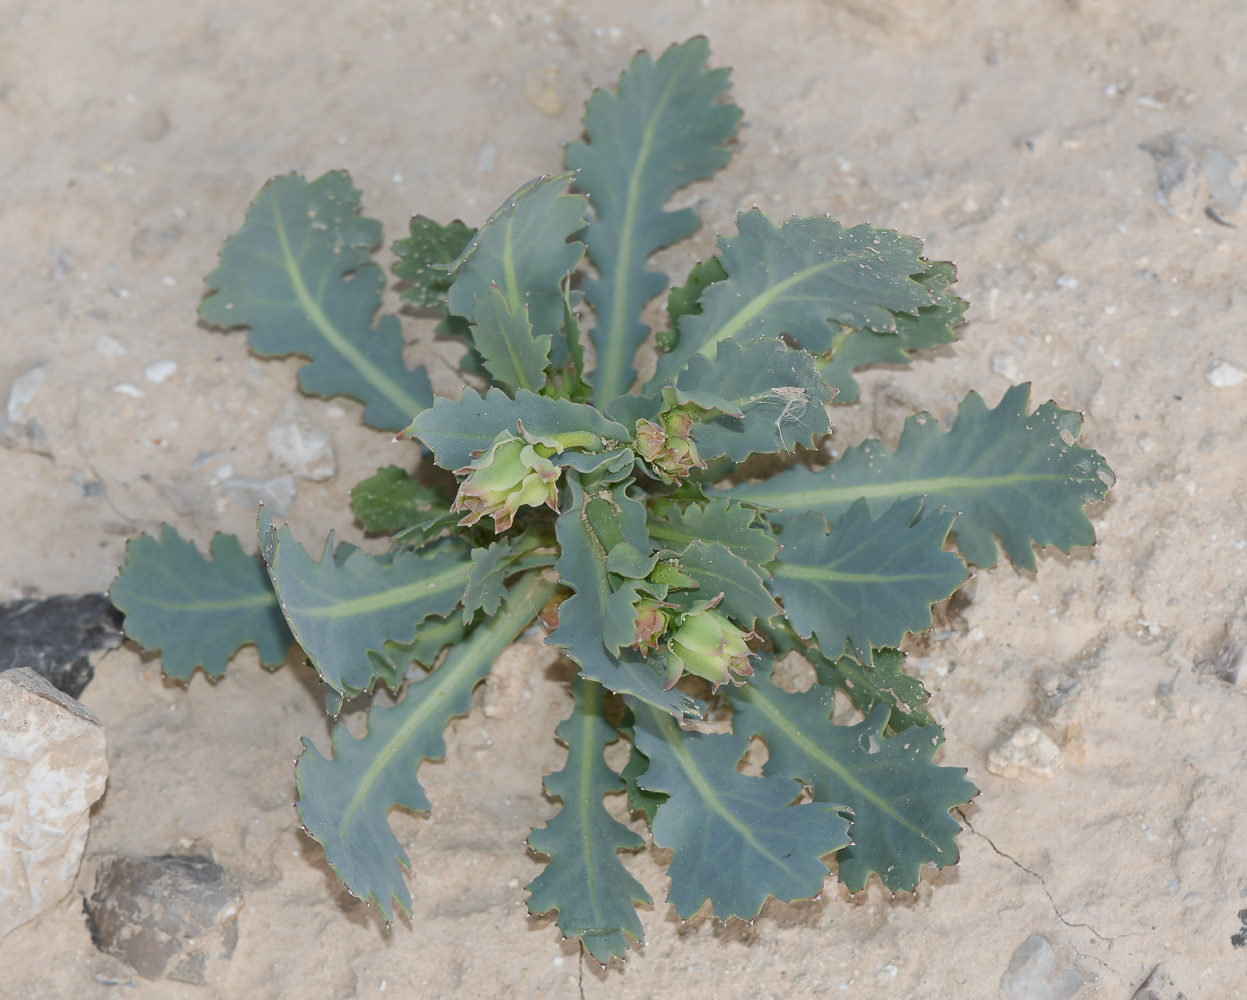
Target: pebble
1032, 974
296, 444
158, 371
1029, 754
173, 916
52, 768
55, 637
126, 389
277, 494
15, 430
1223, 375
110, 347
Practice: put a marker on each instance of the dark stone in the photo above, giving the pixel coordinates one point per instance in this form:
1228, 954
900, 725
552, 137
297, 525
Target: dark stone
55, 636
171, 915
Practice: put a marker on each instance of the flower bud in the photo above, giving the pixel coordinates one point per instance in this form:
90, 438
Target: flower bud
510, 475
650, 624
710, 646
667, 447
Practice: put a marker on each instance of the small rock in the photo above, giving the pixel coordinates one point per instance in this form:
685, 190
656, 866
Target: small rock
158, 371
171, 915
110, 347
52, 768
293, 442
55, 637
1158, 986
1029, 753
15, 430
1032, 974
1223, 375
541, 89
277, 494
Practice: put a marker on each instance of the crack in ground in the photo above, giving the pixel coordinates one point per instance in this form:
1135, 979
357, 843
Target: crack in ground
1044, 885
582, 971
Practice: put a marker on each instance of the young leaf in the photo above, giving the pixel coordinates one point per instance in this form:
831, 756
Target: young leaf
489, 568
882, 682
1021, 478
737, 839
455, 432
661, 130
506, 343
899, 798
931, 327
390, 500
596, 614
799, 279
299, 273
424, 260
778, 392
343, 614
718, 521
198, 613
343, 802
720, 571
867, 582
684, 300
523, 249
584, 879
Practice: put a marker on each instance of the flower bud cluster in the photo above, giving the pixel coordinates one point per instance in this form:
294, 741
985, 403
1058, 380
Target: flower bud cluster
510, 475
667, 446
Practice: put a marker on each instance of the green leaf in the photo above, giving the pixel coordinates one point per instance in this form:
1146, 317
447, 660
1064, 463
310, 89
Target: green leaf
661, 130
867, 582
584, 879
198, 613
424, 260
343, 615
799, 279
882, 682
523, 249
899, 799
343, 802
778, 392
639, 799
596, 613
931, 327
299, 273
684, 300
1021, 478
737, 839
390, 500
433, 635
718, 521
455, 432
718, 570
506, 343
490, 567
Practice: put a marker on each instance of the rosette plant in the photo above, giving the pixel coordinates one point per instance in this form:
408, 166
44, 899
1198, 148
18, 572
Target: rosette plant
625, 512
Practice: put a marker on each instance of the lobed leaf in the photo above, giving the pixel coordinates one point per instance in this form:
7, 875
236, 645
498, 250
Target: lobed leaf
883, 681
390, 500
718, 570
867, 582
455, 432
777, 393
661, 130
198, 613
343, 801
737, 839
343, 613
720, 520
490, 567
798, 279
424, 259
504, 338
592, 523
1023, 478
684, 300
433, 635
299, 273
899, 799
523, 249
639, 799
932, 326
584, 879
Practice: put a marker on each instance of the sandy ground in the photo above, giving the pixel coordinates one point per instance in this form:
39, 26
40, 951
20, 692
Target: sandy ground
1005, 133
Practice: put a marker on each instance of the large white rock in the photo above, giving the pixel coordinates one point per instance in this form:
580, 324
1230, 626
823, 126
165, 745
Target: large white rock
52, 768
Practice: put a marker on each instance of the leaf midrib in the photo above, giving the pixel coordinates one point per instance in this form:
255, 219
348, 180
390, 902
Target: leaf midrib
454, 574
825, 574
312, 308
232, 604
892, 489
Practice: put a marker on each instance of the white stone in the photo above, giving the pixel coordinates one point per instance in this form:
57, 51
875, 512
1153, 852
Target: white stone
1223, 375
52, 768
1032, 974
295, 443
158, 371
1029, 754
23, 392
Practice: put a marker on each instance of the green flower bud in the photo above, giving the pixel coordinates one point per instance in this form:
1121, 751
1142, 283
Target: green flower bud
650, 623
710, 646
510, 475
666, 446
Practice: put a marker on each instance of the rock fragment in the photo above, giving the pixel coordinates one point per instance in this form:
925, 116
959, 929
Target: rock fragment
55, 637
1029, 754
1032, 974
1224, 375
15, 430
295, 443
173, 916
52, 768
1158, 986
